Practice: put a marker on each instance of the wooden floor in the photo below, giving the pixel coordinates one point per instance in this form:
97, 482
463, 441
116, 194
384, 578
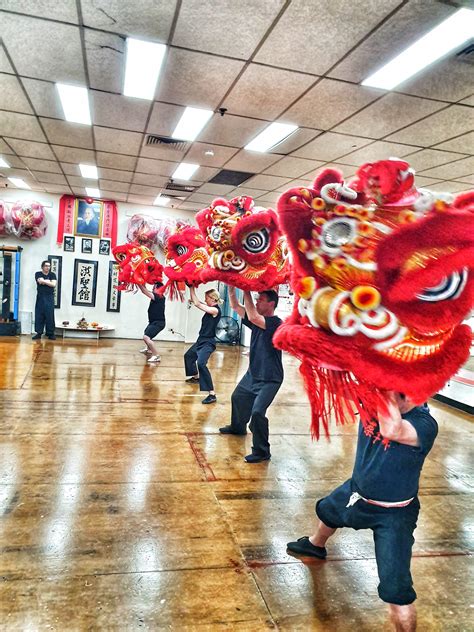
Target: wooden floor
122, 508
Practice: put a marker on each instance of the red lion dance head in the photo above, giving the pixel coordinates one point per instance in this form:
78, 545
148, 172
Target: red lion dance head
142, 230
383, 276
138, 266
27, 220
185, 256
246, 248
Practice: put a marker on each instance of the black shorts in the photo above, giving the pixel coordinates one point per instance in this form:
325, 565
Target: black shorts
154, 328
393, 529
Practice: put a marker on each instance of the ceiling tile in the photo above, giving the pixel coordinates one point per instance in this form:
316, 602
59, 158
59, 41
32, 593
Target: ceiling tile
380, 150
290, 167
110, 185
294, 141
449, 80
116, 174
149, 179
5, 65
249, 97
115, 110
116, 161
202, 198
68, 134
57, 188
444, 125
79, 181
425, 182
16, 162
217, 190
464, 144
116, 140
117, 196
156, 167
105, 54
204, 173
151, 19
429, 158
388, 114
60, 46
244, 190
396, 34
330, 146
251, 161
141, 189
189, 74
53, 178
70, 169
268, 199
17, 172
451, 187
12, 96
467, 179
163, 152
5, 149
64, 11
469, 101
164, 118
235, 131
141, 199
347, 170
453, 170
44, 97
312, 37
267, 183
330, 102
221, 155
73, 154
20, 126
234, 30
78, 191
42, 165
188, 206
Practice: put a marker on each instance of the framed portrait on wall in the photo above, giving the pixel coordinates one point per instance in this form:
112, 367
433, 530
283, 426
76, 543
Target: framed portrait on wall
84, 285
56, 262
104, 247
69, 243
88, 218
87, 245
113, 295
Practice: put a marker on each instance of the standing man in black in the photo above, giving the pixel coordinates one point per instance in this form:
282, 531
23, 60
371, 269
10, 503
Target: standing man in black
44, 308
259, 386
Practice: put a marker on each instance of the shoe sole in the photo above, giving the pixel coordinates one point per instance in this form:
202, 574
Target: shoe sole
306, 554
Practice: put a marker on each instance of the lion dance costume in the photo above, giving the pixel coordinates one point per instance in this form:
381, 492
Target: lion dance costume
137, 266
383, 275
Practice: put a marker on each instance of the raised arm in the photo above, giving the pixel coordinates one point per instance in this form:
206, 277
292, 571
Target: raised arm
234, 303
252, 314
392, 426
200, 305
144, 290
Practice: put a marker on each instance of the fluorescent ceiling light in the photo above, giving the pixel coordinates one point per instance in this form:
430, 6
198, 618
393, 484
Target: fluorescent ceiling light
75, 102
144, 61
161, 200
184, 171
271, 136
94, 193
4, 163
18, 182
89, 171
191, 123
448, 35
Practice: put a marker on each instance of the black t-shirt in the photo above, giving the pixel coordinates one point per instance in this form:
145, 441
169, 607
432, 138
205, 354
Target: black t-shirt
393, 474
265, 361
156, 309
209, 325
45, 290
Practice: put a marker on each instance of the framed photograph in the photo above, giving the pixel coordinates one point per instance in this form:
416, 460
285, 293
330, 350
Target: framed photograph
84, 285
113, 295
69, 243
87, 246
88, 218
104, 247
56, 262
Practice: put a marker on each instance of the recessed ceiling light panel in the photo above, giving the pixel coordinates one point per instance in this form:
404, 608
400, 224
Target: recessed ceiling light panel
144, 60
271, 136
89, 171
185, 171
75, 103
191, 123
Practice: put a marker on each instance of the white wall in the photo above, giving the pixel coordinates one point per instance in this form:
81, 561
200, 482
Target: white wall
132, 318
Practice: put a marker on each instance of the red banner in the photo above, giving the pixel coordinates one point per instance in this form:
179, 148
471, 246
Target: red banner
109, 223
66, 217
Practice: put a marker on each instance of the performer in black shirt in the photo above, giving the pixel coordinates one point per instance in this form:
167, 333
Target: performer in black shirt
156, 320
259, 386
205, 344
44, 308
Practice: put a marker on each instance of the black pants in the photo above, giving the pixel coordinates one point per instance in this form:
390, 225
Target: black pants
44, 315
250, 401
199, 353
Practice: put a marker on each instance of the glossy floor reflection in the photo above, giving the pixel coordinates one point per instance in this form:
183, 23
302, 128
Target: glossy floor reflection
122, 508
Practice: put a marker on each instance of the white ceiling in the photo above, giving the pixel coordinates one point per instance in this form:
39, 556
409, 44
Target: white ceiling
296, 61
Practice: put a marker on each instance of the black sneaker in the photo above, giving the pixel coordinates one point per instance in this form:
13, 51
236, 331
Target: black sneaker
192, 380
210, 399
257, 458
52, 337
303, 546
37, 337
230, 430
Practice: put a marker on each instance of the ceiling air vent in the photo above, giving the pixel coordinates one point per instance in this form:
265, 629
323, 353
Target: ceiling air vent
226, 176
181, 188
467, 53
152, 140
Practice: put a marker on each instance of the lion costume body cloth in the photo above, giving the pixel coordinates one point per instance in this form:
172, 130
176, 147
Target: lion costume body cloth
383, 275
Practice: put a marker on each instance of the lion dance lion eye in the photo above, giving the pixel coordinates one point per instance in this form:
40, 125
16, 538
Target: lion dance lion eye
449, 287
338, 232
181, 250
256, 241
